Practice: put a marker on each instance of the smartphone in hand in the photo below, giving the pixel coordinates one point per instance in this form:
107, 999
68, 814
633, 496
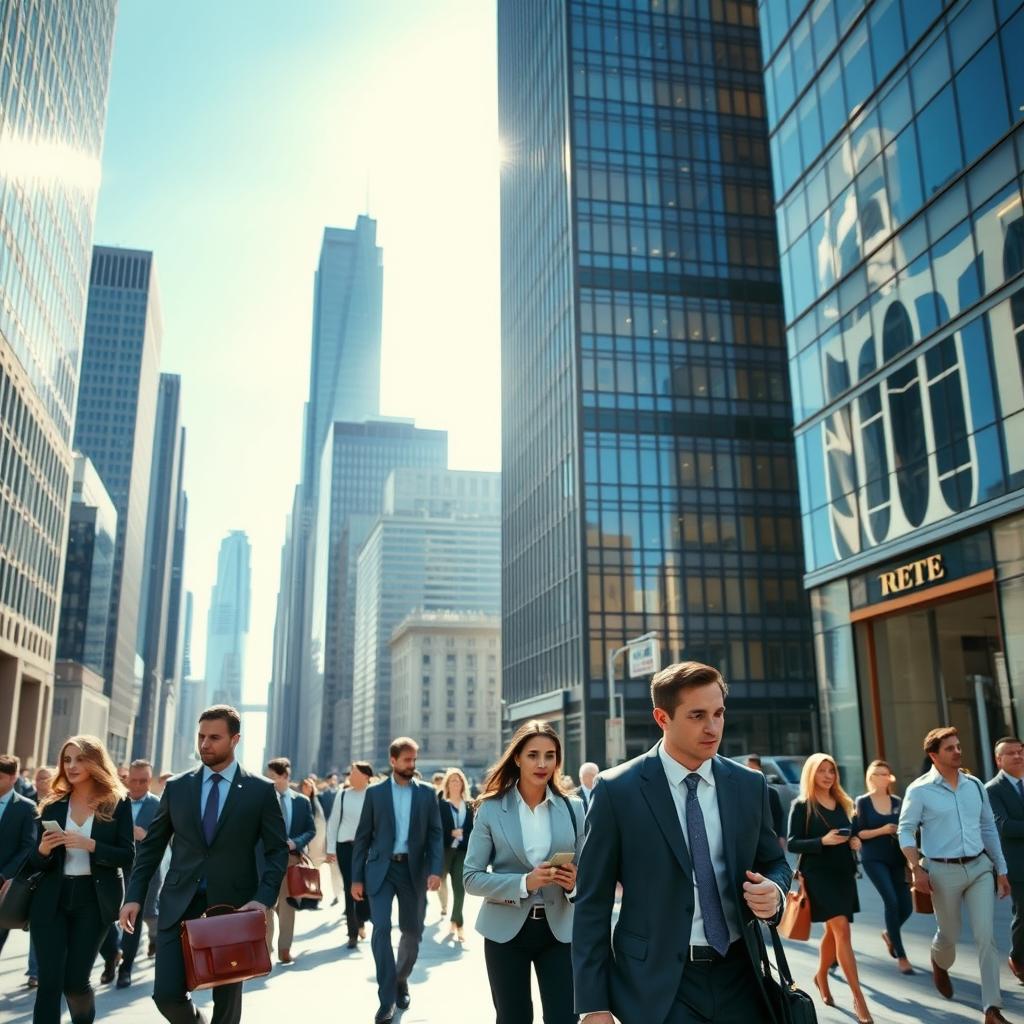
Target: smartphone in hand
52, 826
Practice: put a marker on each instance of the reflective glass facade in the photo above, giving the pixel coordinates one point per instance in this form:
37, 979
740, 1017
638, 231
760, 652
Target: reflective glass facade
648, 467
227, 622
897, 154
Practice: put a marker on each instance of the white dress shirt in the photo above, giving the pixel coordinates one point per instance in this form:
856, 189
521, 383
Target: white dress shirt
348, 806
707, 797
459, 817
535, 824
76, 862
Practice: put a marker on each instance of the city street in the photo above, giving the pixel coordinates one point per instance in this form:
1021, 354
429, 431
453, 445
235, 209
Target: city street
330, 984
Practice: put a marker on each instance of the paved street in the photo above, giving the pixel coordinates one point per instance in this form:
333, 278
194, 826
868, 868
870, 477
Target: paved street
332, 985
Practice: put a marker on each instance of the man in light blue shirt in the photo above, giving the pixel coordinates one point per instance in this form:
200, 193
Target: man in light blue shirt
959, 850
401, 800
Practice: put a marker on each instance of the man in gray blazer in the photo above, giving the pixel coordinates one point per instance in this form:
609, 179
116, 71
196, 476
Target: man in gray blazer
1006, 794
689, 836
397, 851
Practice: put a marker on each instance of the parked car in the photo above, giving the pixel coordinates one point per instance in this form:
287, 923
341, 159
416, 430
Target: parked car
782, 772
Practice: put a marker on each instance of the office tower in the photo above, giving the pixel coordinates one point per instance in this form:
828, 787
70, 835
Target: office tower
227, 623
413, 561
47, 205
445, 688
80, 705
157, 699
898, 149
647, 463
174, 654
357, 459
192, 693
117, 402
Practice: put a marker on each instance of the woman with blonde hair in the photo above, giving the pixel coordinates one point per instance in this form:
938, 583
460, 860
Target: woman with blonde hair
821, 833
86, 847
875, 823
529, 832
456, 828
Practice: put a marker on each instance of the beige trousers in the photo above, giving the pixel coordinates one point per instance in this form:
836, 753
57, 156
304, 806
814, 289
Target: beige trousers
285, 911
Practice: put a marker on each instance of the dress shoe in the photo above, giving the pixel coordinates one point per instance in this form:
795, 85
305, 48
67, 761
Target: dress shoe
942, 983
124, 977
352, 943
826, 996
888, 945
994, 1015
385, 1016
1017, 969
32, 982
285, 956
403, 1000
109, 969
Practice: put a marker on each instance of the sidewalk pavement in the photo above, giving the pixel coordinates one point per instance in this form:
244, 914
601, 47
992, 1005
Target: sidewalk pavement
449, 985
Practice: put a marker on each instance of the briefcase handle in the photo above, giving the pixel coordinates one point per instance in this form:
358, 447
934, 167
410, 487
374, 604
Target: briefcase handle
220, 908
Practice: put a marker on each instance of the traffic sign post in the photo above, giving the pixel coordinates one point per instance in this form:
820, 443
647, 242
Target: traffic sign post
644, 658
614, 741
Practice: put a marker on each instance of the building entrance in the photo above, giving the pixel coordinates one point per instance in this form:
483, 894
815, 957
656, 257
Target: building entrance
936, 662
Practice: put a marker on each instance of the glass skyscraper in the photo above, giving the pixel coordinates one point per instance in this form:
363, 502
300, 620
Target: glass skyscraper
227, 622
54, 73
647, 466
897, 153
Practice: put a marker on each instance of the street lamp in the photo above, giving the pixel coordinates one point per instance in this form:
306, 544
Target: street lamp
616, 751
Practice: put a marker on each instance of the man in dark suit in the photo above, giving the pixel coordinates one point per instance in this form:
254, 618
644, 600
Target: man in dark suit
397, 851
17, 824
1006, 794
216, 815
300, 828
779, 823
689, 836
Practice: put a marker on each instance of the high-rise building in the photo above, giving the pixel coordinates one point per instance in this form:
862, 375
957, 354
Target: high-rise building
647, 465
49, 177
114, 428
189, 703
357, 459
898, 153
227, 624
174, 655
156, 707
411, 562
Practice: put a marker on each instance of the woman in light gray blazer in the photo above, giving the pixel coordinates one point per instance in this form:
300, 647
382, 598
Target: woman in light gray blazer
526, 838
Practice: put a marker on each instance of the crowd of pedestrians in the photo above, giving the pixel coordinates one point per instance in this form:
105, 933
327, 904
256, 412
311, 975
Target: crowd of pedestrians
634, 897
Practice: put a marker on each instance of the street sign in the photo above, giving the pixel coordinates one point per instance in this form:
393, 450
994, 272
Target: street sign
644, 658
614, 741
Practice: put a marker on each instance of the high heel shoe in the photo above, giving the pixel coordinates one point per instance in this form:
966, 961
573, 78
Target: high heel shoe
826, 995
867, 1019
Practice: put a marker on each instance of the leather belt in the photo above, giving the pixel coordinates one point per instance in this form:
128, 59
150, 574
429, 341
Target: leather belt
536, 912
704, 955
953, 860
398, 858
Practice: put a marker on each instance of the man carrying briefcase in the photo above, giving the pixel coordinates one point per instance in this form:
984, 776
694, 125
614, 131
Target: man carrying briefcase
216, 816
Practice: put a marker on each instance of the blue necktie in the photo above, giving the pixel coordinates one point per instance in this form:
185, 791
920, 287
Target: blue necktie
1020, 788
716, 931
212, 807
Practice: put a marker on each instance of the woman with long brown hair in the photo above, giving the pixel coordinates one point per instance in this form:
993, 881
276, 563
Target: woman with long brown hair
821, 833
86, 846
529, 831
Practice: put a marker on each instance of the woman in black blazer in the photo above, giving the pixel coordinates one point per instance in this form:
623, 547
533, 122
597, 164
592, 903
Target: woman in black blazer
83, 862
456, 826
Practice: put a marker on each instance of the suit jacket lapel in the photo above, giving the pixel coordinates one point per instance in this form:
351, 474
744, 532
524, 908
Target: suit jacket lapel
232, 800
196, 796
1008, 782
663, 807
508, 822
728, 810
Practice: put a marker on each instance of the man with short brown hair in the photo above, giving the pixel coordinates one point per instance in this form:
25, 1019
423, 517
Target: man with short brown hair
959, 850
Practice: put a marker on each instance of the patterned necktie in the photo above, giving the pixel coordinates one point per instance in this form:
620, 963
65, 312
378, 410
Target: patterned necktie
716, 931
211, 809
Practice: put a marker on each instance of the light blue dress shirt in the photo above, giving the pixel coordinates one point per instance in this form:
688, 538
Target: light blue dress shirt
5, 802
953, 822
223, 787
401, 800
136, 807
286, 810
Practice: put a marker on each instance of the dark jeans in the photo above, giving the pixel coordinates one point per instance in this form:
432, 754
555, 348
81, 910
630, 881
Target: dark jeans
128, 944
1017, 922
891, 882
169, 992
724, 991
453, 861
357, 912
67, 947
508, 971
412, 909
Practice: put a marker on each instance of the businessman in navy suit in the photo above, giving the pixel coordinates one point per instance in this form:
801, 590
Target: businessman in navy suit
17, 824
397, 852
300, 828
689, 836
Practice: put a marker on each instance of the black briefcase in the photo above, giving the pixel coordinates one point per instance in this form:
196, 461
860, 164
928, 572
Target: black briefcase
16, 897
790, 1005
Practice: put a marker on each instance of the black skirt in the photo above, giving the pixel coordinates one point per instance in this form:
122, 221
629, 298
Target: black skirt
831, 889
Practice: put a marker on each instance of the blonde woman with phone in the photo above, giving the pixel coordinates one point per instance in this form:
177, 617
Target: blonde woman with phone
529, 831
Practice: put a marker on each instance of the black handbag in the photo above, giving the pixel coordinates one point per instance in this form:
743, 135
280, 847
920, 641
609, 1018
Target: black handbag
16, 897
789, 1004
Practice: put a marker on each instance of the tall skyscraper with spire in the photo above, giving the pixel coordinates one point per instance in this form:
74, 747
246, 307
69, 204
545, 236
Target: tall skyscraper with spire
227, 623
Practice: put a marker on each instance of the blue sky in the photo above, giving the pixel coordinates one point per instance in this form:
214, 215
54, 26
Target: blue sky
236, 131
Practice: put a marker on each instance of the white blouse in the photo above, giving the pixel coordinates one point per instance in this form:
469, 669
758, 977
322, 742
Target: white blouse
76, 862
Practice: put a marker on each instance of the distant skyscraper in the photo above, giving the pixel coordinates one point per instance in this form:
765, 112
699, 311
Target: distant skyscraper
227, 625
174, 671
415, 562
192, 692
115, 427
647, 461
49, 177
897, 138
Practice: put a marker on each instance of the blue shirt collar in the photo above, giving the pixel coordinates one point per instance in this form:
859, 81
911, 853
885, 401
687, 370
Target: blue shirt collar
7, 798
228, 774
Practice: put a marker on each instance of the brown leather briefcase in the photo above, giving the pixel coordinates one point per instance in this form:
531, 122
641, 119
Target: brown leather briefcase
224, 946
304, 880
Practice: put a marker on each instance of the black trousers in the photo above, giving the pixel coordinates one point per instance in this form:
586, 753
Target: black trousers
508, 971
1017, 922
453, 864
725, 991
67, 946
412, 908
357, 912
169, 993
